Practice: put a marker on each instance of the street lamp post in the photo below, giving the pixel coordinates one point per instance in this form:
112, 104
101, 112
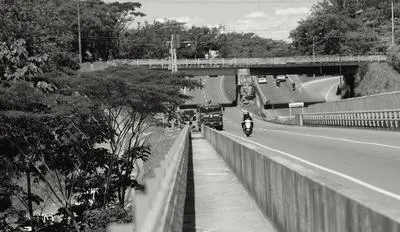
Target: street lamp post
313, 43
174, 66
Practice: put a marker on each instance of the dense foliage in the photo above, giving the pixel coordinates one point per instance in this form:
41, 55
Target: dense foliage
152, 41
77, 136
346, 27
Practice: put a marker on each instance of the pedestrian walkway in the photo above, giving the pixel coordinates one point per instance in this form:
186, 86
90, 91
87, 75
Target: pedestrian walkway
216, 200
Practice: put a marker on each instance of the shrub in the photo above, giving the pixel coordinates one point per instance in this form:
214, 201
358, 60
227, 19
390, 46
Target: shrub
394, 57
97, 220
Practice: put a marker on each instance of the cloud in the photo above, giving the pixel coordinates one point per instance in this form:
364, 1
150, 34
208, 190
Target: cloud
292, 11
256, 14
270, 26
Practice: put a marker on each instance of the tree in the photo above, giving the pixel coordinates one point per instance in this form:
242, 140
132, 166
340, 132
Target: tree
251, 45
102, 25
56, 147
152, 41
16, 64
42, 30
130, 98
345, 27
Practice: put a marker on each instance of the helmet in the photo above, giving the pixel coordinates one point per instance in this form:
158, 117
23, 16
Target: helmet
246, 114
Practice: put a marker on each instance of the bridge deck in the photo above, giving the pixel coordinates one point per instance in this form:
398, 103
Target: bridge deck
218, 201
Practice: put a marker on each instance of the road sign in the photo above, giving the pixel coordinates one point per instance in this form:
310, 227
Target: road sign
296, 104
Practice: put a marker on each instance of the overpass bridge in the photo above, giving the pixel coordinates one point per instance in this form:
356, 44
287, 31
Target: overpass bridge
318, 65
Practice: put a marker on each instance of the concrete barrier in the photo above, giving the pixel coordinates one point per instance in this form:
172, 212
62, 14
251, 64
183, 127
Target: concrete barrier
383, 101
161, 208
296, 199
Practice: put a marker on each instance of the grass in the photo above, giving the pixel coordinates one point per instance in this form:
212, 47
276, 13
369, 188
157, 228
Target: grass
306, 79
379, 78
95, 66
230, 88
161, 140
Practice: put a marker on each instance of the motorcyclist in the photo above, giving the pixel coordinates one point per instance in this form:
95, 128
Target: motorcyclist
246, 115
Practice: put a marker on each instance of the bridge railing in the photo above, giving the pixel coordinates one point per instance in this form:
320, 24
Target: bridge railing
369, 119
161, 207
248, 62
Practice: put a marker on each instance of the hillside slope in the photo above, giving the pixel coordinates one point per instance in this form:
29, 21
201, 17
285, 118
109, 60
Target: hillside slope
379, 78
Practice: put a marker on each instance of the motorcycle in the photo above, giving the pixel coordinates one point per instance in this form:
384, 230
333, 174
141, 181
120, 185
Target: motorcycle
247, 126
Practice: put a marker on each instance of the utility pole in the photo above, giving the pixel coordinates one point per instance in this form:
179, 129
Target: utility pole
392, 23
313, 47
195, 47
174, 66
79, 34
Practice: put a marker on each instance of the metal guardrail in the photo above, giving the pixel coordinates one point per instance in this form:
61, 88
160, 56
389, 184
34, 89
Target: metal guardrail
368, 119
248, 62
161, 208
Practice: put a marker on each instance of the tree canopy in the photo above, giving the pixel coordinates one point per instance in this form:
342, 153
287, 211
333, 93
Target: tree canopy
346, 27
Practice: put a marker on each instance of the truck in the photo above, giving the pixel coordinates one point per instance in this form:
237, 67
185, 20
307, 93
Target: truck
210, 115
188, 116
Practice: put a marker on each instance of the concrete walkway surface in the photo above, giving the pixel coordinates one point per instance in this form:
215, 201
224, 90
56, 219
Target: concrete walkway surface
217, 199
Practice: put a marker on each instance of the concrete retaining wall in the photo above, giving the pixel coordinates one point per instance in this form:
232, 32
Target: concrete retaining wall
161, 208
384, 101
297, 199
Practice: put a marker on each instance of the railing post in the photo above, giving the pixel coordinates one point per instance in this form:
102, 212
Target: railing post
235, 61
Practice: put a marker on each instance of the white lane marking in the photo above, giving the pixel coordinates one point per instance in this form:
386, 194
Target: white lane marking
329, 91
317, 81
360, 182
338, 139
220, 87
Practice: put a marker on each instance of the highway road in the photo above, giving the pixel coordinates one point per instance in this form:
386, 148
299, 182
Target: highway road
283, 93
367, 161
215, 94
323, 89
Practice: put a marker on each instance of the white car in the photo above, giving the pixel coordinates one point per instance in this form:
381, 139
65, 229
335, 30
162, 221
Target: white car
262, 80
281, 78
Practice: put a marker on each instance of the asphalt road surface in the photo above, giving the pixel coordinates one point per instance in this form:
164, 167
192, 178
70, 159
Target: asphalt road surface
361, 159
216, 93
323, 89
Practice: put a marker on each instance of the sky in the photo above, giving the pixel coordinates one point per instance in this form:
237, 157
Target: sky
267, 18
